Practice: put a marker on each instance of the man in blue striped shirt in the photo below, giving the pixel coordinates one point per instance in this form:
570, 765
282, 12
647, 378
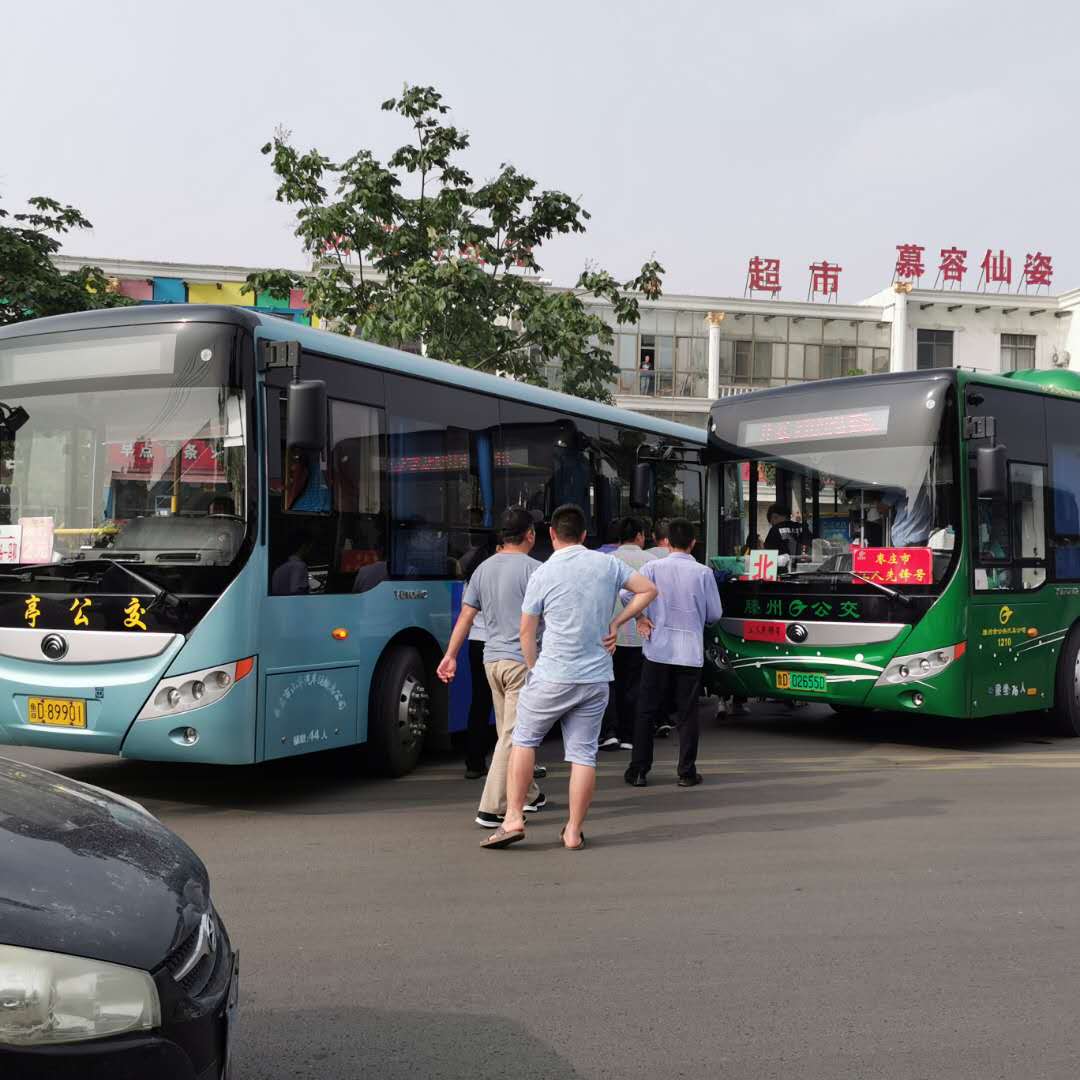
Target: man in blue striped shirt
673, 627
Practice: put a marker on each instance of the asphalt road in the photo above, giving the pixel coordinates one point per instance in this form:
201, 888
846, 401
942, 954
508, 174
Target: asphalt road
860, 899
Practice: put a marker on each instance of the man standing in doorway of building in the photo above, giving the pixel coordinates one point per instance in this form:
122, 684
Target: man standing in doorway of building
673, 627
496, 590
618, 728
574, 592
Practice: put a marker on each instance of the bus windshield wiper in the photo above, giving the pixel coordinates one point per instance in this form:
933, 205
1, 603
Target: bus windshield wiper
877, 585
159, 592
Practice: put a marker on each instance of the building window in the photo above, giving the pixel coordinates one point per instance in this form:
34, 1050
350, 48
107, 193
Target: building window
1017, 352
935, 349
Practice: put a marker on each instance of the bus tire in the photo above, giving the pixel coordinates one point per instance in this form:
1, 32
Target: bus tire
398, 717
1066, 713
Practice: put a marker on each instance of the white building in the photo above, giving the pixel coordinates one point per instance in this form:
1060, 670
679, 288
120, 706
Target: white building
688, 350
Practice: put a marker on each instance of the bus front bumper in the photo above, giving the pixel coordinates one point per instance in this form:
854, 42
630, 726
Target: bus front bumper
111, 693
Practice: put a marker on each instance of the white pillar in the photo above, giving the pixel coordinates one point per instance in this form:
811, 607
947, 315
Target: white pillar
898, 358
714, 319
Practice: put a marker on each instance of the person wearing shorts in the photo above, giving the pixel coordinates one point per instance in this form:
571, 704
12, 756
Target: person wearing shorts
574, 592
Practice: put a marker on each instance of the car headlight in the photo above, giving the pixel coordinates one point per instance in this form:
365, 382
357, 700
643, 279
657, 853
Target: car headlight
181, 693
48, 998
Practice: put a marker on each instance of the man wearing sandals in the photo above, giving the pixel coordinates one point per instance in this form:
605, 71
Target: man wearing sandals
574, 592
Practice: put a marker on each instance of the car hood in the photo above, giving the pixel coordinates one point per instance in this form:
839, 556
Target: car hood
88, 873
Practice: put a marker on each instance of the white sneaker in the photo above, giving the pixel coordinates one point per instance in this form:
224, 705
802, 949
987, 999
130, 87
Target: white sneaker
610, 743
536, 804
626, 746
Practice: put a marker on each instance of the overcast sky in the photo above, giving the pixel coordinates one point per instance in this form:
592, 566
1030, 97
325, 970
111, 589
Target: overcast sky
702, 132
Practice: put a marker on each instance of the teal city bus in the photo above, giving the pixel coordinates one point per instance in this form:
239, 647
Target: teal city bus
229, 538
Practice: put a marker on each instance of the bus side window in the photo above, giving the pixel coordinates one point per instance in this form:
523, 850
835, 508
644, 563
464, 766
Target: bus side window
1065, 489
1027, 490
358, 478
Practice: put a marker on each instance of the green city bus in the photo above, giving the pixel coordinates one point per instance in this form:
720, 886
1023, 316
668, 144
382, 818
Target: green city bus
932, 554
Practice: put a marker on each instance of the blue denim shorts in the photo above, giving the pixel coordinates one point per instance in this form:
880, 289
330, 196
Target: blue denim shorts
580, 707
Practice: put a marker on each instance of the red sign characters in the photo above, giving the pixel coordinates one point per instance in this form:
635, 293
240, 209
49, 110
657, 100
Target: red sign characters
953, 265
893, 566
997, 269
773, 632
909, 262
824, 278
763, 275
1038, 269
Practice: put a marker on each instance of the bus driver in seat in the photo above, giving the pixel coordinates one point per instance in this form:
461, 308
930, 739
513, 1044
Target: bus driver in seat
910, 523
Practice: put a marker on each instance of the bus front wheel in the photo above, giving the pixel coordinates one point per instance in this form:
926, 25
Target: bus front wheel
398, 719
1066, 712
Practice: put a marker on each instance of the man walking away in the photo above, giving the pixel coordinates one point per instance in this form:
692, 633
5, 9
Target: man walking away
662, 546
673, 628
574, 592
617, 731
496, 591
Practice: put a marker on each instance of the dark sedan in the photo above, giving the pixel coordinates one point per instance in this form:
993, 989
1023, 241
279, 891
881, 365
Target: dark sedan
113, 962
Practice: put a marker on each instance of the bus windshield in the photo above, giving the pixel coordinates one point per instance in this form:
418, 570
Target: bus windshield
811, 474
131, 447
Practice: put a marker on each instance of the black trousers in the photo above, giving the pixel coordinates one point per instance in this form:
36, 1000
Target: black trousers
667, 689
480, 733
621, 713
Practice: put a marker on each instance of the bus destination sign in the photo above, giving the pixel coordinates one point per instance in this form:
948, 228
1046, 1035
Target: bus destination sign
808, 427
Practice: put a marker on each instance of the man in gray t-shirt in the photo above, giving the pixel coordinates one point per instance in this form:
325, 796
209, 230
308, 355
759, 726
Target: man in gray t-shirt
495, 593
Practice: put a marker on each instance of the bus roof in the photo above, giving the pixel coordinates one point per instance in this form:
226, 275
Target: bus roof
356, 350
1057, 382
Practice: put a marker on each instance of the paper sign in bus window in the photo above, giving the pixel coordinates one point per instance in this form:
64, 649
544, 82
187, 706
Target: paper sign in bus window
10, 543
762, 565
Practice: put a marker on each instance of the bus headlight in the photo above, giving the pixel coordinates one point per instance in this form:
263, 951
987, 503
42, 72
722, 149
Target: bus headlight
48, 998
919, 666
178, 694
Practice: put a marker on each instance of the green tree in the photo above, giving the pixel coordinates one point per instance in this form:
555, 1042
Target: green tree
30, 285
414, 252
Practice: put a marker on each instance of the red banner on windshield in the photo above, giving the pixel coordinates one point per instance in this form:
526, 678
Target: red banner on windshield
893, 566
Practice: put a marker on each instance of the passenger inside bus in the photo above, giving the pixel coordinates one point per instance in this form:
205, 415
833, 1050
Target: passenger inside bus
291, 577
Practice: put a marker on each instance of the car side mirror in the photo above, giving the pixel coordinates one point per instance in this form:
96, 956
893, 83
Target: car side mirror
305, 423
991, 472
642, 487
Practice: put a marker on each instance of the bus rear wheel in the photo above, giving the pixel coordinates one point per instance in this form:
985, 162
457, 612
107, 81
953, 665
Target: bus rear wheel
1066, 714
400, 708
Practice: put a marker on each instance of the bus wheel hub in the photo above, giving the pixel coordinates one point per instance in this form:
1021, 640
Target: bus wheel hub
413, 711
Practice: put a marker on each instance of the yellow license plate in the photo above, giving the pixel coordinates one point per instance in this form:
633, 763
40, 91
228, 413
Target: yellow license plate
57, 712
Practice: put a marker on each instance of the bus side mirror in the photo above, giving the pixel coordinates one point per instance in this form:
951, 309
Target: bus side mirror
305, 423
991, 472
642, 487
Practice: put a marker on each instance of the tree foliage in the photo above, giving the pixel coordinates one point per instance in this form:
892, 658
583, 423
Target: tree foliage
414, 252
30, 285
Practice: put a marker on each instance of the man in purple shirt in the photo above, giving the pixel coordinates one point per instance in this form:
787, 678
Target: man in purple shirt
672, 627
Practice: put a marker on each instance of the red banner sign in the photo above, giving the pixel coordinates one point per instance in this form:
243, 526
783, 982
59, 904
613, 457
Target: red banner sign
773, 632
893, 566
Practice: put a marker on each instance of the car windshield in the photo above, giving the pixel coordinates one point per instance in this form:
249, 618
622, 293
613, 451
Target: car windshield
811, 476
130, 446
